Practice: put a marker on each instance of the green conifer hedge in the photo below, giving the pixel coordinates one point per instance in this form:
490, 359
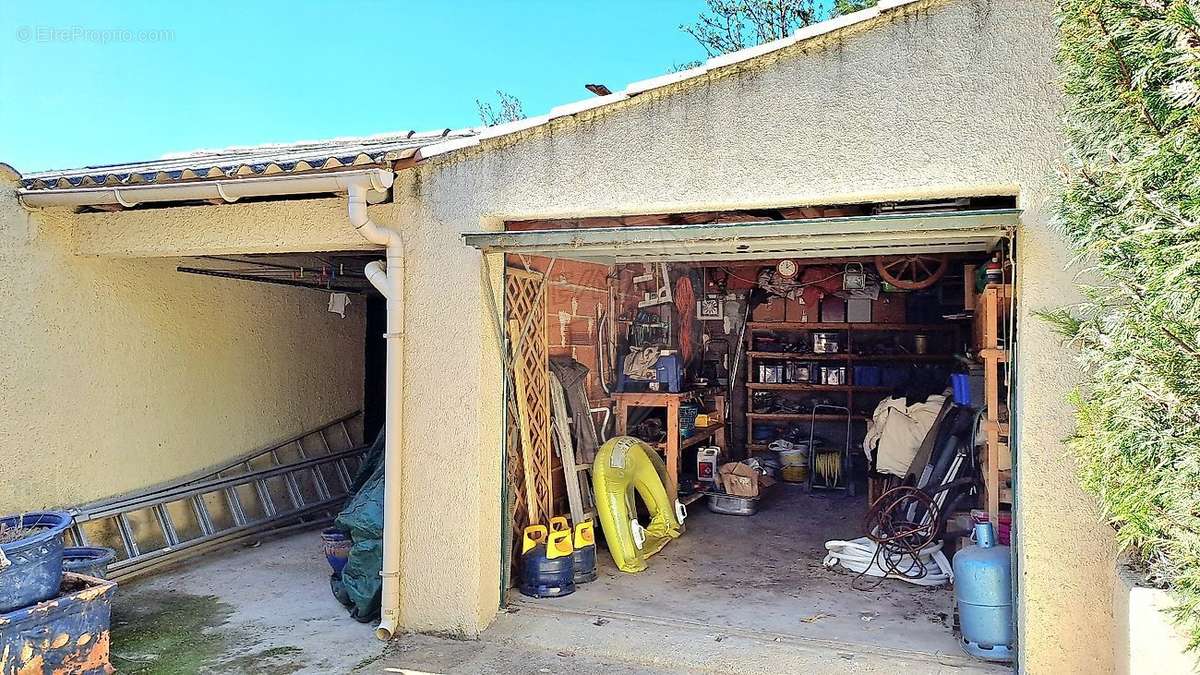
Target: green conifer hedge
1130, 205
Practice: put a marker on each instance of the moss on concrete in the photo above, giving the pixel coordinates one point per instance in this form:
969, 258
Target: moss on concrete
273, 661
165, 633
168, 633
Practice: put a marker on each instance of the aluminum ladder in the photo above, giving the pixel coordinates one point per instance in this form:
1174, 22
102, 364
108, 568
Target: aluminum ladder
291, 484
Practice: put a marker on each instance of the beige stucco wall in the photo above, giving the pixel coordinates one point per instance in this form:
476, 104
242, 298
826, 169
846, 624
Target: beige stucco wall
289, 226
951, 99
122, 373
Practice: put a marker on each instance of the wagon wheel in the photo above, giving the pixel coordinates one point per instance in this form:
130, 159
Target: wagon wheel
911, 272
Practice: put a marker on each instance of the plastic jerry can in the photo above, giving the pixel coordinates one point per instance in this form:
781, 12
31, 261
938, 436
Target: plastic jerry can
983, 590
547, 568
706, 463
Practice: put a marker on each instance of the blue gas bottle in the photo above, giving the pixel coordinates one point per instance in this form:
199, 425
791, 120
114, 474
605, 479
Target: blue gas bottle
547, 566
983, 589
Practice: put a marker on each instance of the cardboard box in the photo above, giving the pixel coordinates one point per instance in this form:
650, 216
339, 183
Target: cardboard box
858, 310
740, 480
774, 309
890, 308
798, 311
833, 309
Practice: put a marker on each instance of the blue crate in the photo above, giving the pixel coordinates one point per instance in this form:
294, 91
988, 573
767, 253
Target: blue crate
867, 376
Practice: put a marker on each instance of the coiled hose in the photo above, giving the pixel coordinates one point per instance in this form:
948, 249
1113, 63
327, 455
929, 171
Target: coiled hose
895, 546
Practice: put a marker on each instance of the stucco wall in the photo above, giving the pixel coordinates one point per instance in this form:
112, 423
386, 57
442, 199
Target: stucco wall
122, 373
452, 472
288, 226
953, 99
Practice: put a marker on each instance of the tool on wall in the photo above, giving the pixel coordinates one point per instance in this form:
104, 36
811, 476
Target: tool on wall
661, 292
854, 278
648, 330
912, 272
754, 298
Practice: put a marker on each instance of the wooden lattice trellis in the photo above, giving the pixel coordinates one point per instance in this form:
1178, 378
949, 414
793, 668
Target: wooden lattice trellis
528, 433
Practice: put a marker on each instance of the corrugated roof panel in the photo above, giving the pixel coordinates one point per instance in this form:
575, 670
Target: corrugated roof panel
250, 161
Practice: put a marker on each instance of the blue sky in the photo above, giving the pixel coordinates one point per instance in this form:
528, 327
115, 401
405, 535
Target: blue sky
200, 75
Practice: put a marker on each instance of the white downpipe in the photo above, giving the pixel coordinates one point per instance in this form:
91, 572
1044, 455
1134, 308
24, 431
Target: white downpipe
389, 281
376, 273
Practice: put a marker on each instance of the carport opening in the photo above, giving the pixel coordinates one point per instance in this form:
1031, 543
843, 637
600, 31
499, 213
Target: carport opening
337, 278
789, 369
318, 318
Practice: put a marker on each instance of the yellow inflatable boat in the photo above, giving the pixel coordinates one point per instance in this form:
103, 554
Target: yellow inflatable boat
622, 466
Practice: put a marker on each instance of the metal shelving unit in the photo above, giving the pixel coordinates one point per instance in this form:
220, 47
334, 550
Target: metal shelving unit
848, 357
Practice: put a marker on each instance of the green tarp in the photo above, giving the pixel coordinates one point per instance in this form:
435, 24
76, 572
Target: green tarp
358, 586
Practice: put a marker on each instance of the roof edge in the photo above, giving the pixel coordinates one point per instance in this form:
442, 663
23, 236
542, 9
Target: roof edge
827, 29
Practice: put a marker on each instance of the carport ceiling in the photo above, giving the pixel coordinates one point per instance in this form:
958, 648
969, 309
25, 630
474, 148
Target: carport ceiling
328, 271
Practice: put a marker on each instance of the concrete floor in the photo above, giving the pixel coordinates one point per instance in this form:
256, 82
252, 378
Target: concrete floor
734, 595
763, 573
260, 609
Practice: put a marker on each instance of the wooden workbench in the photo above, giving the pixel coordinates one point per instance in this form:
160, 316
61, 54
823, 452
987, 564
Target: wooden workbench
674, 444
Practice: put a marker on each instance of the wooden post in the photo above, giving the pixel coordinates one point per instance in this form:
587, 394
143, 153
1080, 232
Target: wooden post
527, 450
673, 447
969, 286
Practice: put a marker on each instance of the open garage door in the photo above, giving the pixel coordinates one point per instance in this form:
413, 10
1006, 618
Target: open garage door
886, 234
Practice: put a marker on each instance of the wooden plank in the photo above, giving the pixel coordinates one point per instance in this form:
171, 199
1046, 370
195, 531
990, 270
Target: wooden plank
700, 436
673, 448
990, 306
992, 478
794, 356
561, 420
532, 503
814, 387
525, 304
784, 417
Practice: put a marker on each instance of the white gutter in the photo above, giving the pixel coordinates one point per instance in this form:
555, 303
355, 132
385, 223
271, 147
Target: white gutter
229, 190
358, 186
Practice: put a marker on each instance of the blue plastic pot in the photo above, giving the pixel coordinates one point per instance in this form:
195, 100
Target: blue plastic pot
90, 560
336, 545
65, 634
34, 570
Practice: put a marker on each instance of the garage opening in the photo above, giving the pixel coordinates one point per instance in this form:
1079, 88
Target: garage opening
823, 390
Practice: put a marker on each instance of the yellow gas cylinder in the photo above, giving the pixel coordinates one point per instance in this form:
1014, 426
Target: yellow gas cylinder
585, 552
